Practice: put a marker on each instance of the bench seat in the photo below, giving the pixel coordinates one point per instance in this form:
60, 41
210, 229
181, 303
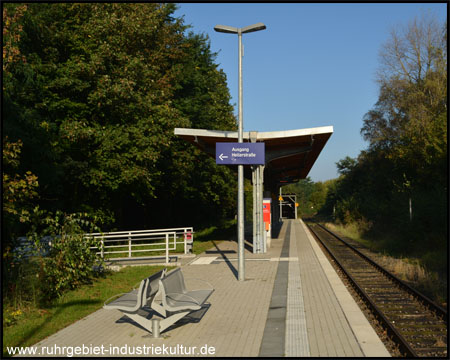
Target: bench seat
129, 302
175, 296
191, 300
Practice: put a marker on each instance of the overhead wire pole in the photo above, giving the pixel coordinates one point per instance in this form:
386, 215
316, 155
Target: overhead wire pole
240, 224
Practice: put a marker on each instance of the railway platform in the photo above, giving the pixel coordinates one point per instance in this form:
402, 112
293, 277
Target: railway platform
292, 303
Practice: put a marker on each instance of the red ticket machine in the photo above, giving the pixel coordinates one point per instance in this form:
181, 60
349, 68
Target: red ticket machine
267, 217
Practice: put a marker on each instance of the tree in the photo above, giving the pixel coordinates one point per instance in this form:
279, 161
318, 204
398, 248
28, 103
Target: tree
346, 165
202, 96
19, 184
97, 99
399, 184
409, 123
409, 119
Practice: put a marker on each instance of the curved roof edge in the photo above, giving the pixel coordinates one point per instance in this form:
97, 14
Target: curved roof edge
262, 135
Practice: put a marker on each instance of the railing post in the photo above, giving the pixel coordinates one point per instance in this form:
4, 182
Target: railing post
167, 248
185, 242
102, 248
129, 244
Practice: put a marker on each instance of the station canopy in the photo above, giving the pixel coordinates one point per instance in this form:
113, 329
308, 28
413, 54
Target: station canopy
290, 154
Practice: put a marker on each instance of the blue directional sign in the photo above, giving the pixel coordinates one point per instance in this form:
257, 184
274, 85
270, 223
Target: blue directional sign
240, 153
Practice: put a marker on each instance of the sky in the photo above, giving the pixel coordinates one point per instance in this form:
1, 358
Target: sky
314, 65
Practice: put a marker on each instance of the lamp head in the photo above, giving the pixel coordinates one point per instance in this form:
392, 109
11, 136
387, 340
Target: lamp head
226, 29
252, 28
244, 30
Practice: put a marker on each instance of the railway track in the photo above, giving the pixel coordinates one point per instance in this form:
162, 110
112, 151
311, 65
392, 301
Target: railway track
415, 323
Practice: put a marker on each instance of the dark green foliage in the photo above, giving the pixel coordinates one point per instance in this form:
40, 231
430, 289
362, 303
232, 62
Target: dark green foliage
92, 92
95, 101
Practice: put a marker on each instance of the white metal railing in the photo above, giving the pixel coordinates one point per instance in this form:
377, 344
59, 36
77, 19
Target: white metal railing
146, 240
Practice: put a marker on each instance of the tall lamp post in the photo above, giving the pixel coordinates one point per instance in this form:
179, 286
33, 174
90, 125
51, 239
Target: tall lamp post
240, 227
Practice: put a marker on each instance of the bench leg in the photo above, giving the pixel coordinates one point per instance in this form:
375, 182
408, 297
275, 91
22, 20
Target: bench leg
156, 328
151, 324
141, 320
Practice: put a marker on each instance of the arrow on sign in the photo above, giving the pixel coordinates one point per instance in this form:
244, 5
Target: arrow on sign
222, 156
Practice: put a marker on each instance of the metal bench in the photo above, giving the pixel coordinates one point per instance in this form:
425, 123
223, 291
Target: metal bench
130, 303
177, 299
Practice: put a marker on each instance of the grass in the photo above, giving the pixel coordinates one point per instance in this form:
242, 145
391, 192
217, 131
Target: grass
206, 238
31, 324
351, 231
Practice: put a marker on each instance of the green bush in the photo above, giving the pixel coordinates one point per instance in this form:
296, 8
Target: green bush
41, 273
70, 261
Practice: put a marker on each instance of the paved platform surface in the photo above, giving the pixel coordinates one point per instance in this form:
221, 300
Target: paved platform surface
292, 303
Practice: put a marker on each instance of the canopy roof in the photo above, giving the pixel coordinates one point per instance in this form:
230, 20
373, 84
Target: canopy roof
290, 154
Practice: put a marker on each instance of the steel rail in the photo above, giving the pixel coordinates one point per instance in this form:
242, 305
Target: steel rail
400, 340
430, 304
